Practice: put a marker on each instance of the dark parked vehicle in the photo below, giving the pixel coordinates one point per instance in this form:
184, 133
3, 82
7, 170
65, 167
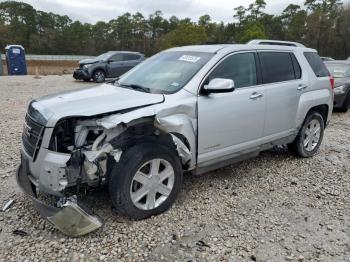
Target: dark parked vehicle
341, 72
110, 64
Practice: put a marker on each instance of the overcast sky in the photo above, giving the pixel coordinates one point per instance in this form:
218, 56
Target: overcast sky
105, 10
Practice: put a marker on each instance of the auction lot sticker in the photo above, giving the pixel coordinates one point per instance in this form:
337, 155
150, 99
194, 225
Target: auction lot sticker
189, 58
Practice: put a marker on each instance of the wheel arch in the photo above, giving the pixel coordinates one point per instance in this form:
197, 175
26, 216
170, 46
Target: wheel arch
320, 101
98, 68
145, 131
323, 110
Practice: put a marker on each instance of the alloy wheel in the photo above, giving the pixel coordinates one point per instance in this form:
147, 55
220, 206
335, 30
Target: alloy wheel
152, 184
312, 135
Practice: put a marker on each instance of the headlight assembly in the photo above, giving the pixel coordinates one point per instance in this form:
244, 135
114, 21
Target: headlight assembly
87, 66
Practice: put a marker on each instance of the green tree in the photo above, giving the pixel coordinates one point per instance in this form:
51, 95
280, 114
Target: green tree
294, 20
185, 34
253, 31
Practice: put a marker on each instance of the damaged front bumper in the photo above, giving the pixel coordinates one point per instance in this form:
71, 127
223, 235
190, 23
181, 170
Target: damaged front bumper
71, 219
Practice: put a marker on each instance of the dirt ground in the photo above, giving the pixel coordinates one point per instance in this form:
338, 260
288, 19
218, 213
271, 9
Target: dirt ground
275, 207
48, 67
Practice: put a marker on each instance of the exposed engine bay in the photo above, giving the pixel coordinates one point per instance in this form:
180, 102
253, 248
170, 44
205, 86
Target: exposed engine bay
93, 147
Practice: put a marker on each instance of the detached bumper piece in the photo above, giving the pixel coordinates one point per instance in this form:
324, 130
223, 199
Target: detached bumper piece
81, 74
71, 219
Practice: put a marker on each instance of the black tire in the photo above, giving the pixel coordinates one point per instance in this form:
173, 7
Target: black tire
99, 76
123, 172
297, 147
345, 107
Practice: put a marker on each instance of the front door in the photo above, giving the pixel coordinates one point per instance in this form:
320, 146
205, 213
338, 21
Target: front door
115, 65
231, 122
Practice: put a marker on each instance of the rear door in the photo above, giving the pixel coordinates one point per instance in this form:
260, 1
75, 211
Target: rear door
282, 76
129, 61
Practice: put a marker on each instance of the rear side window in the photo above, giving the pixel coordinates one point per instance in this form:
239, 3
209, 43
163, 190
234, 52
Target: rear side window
128, 57
276, 67
297, 68
316, 64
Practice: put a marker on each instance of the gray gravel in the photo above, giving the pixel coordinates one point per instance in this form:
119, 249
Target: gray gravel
272, 208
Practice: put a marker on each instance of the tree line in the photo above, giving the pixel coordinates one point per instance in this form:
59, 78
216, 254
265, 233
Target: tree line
320, 24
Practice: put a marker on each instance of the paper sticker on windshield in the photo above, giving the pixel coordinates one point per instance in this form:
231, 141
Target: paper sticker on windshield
189, 58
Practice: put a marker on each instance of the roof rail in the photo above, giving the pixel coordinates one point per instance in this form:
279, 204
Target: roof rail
274, 42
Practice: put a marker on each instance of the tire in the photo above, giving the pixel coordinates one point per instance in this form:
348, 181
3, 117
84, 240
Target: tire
125, 190
345, 107
99, 76
313, 121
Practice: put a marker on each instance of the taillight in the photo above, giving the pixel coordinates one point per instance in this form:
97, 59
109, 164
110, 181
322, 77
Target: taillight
331, 78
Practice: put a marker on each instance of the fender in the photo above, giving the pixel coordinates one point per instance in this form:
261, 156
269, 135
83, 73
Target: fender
312, 99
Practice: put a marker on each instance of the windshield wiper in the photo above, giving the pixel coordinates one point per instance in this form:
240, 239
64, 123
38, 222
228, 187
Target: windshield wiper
136, 87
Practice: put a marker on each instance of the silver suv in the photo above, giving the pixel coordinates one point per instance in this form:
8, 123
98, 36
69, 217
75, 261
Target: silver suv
187, 109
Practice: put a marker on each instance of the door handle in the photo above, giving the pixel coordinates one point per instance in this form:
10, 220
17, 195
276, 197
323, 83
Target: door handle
256, 95
302, 87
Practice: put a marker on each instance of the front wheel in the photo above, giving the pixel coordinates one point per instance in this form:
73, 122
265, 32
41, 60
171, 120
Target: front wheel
99, 76
310, 136
146, 181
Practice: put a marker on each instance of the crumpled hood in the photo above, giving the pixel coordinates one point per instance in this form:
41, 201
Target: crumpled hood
92, 101
89, 61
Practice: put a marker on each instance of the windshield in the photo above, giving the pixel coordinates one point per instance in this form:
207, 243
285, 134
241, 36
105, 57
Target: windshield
166, 72
339, 70
103, 57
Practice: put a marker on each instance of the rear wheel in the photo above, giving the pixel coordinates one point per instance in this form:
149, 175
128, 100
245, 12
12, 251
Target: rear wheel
310, 136
146, 181
99, 76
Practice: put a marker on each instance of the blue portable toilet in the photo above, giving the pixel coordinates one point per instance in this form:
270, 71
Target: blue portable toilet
16, 60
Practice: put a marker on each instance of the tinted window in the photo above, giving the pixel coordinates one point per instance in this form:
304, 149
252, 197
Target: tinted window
276, 67
316, 64
128, 57
297, 68
116, 58
240, 68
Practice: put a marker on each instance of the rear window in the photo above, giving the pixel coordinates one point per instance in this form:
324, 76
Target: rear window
276, 67
316, 64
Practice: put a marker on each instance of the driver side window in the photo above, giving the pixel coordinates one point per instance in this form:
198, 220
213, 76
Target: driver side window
117, 58
241, 68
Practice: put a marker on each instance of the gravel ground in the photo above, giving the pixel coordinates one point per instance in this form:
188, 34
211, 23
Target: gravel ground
272, 208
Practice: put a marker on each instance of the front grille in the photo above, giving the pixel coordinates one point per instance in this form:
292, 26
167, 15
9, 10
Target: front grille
32, 136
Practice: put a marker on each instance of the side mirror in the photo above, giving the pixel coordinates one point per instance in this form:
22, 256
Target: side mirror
219, 85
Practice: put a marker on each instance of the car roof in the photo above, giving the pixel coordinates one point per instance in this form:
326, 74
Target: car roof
124, 52
338, 62
236, 47
201, 48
